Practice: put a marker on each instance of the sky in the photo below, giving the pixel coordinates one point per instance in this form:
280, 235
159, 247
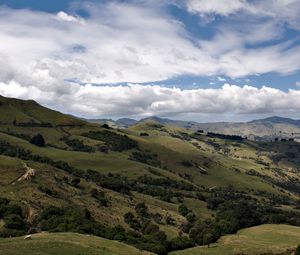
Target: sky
201, 60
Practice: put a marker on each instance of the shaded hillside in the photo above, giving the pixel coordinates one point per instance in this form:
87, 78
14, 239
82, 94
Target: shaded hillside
30, 113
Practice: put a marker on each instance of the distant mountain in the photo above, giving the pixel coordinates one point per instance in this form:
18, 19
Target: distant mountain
277, 120
165, 121
126, 122
120, 123
267, 128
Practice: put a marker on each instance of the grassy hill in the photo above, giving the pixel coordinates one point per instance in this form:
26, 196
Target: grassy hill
65, 244
152, 186
261, 129
264, 239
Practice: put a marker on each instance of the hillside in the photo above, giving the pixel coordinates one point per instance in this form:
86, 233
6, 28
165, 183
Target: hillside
261, 129
65, 244
153, 185
264, 239
19, 111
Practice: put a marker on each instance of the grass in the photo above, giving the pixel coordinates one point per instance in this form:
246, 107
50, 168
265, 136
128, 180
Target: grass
65, 244
252, 241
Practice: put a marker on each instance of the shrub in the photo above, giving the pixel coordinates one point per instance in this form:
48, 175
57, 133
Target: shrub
38, 140
114, 141
142, 210
183, 210
297, 251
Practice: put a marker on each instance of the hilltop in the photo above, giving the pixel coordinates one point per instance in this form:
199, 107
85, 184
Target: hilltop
261, 129
153, 185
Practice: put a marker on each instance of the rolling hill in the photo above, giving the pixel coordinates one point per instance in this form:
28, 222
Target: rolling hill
262, 129
264, 239
65, 244
153, 185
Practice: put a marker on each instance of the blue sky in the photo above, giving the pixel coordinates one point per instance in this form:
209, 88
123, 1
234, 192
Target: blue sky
204, 60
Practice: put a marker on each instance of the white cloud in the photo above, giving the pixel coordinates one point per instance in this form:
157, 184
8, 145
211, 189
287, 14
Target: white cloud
216, 6
69, 18
121, 42
298, 83
146, 100
281, 10
221, 78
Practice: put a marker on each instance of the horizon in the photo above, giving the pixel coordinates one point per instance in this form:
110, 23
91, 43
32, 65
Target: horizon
184, 60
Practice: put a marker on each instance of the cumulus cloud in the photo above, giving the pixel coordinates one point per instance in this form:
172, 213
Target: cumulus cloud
69, 18
283, 10
216, 6
43, 54
145, 100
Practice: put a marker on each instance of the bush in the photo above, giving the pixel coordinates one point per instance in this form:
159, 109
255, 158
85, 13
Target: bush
183, 210
100, 196
297, 251
77, 145
38, 140
142, 210
114, 141
14, 221
181, 243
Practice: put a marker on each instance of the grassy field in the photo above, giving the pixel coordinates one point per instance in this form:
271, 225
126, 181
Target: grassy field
251, 241
65, 244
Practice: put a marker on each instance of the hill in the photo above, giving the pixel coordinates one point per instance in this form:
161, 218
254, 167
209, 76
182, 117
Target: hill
65, 244
264, 239
262, 129
153, 186
19, 112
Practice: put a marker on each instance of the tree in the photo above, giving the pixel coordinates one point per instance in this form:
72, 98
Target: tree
142, 210
207, 239
183, 210
297, 251
75, 182
38, 140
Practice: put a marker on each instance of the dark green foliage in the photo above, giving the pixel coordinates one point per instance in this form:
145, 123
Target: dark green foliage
187, 163
49, 191
15, 221
142, 210
106, 126
132, 221
65, 219
111, 181
297, 251
56, 219
183, 210
235, 211
100, 196
144, 134
181, 243
167, 183
191, 217
77, 145
146, 157
75, 182
38, 140
222, 136
13, 217
114, 141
